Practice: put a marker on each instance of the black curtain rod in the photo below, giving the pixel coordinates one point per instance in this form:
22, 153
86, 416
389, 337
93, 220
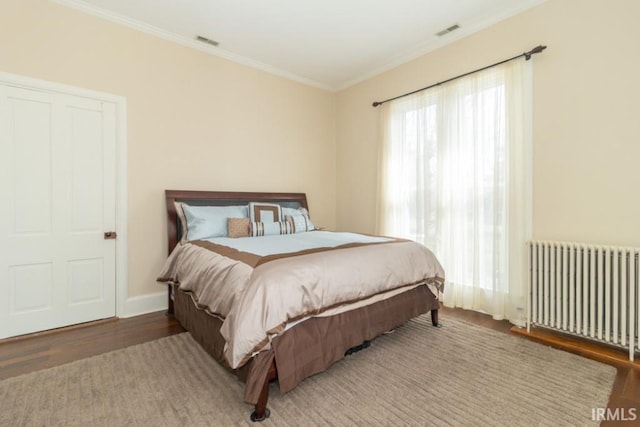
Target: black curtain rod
527, 56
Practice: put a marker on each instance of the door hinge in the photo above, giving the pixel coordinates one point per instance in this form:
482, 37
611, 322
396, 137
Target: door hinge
110, 235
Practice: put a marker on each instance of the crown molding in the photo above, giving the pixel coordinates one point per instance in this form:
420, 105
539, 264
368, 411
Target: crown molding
418, 51
187, 42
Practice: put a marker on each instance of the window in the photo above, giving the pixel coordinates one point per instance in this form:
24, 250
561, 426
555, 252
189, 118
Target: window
455, 176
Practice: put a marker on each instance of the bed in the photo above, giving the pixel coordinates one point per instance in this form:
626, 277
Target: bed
298, 301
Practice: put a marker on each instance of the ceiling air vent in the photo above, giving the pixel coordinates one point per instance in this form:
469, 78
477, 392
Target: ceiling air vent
206, 40
447, 30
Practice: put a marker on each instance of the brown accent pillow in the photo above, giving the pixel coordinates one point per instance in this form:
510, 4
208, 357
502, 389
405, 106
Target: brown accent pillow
238, 227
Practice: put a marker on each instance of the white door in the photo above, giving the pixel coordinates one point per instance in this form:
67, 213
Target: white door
57, 199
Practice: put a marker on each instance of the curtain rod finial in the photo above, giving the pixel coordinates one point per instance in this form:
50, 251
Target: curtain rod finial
537, 49
375, 104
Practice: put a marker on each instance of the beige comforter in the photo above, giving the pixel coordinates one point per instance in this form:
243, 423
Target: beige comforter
259, 296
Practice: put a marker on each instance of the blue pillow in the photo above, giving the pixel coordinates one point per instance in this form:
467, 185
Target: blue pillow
204, 222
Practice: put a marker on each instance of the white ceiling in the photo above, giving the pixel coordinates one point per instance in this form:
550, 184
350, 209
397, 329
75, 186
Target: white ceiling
330, 44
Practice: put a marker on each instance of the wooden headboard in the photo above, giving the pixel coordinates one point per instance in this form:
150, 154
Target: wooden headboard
221, 198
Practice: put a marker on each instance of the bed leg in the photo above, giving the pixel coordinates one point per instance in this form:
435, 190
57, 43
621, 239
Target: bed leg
434, 318
169, 311
261, 412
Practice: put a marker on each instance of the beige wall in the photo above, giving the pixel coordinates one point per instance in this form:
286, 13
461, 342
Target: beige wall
586, 125
195, 121
200, 122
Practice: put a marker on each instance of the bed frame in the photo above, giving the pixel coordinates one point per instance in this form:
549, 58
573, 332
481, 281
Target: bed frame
192, 318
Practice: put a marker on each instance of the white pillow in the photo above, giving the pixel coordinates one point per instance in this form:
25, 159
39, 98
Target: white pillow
204, 222
299, 219
264, 212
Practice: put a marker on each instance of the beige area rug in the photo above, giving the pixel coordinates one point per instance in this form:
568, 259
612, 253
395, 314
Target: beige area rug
460, 375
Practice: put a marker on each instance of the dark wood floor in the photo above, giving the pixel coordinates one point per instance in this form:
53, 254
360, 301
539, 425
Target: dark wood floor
38, 351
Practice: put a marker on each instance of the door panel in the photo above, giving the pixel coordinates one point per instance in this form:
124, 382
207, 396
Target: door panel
86, 284
30, 174
30, 288
86, 168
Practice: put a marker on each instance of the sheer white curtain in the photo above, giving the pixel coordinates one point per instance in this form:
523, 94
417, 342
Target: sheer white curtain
455, 175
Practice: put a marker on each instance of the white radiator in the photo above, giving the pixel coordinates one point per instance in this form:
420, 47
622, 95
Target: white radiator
586, 290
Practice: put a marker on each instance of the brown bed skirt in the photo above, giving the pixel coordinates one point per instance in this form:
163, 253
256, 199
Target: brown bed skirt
309, 347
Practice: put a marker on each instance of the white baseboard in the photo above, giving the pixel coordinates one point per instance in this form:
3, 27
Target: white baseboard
143, 304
